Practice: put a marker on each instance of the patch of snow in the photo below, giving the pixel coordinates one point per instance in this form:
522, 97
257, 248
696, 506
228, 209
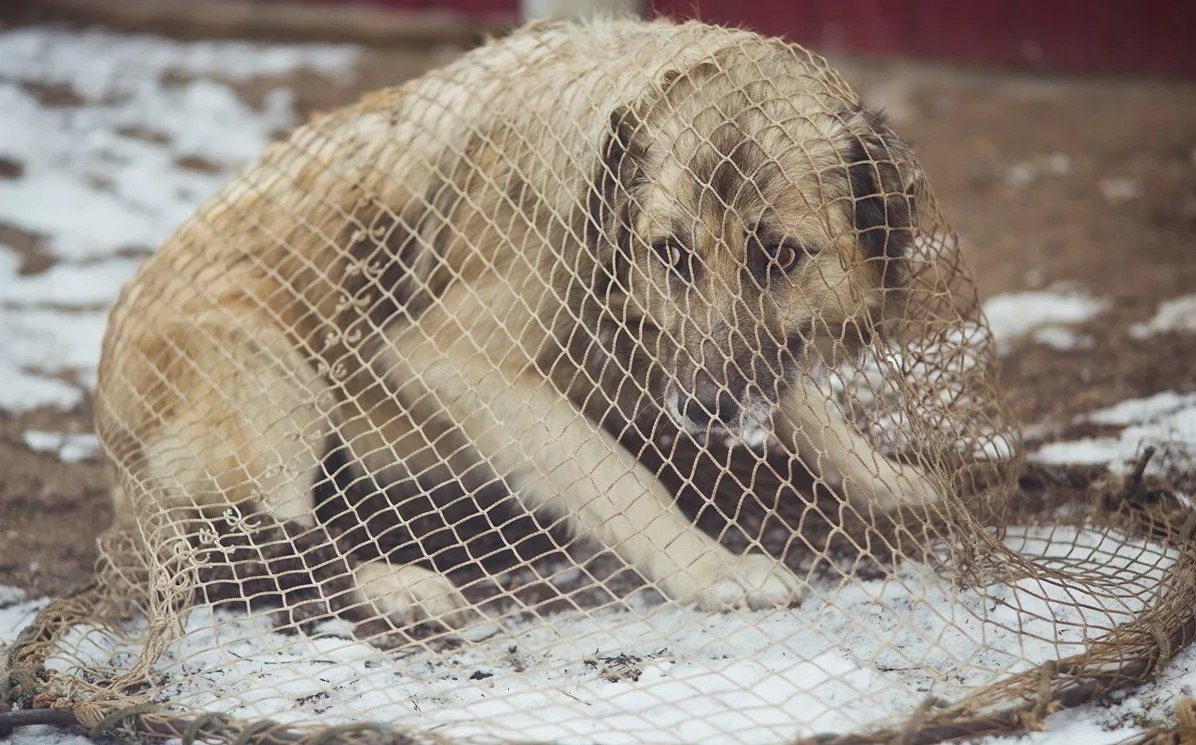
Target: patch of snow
91, 60
1061, 338
1177, 314
1092, 450
106, 171
64, 285
52, 330
46, 736
54, 340
1119, 189
23, 390
1139, 410
1015, 315
70, 447
1166, 419
89, 184
1023, 173
9, 596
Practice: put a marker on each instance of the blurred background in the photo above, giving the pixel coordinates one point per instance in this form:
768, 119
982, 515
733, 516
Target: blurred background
1060, 139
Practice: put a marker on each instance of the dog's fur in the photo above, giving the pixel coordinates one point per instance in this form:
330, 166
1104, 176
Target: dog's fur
465, 277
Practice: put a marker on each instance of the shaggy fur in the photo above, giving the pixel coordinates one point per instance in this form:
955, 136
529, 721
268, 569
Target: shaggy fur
465, 277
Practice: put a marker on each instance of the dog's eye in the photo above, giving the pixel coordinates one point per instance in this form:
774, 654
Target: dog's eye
784, 256
671, 252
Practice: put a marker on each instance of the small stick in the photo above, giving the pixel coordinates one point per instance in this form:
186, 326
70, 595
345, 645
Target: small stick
30, 717
1133, 482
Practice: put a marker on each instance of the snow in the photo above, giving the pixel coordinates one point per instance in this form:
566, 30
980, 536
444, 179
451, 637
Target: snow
46, 736
105, 174
1023, 173
1177, 314
82, 285
25, 389
1043, 314
88, 160
1119, 188
851, 655
1165, 420
1061, 338
70, 448
1137, 410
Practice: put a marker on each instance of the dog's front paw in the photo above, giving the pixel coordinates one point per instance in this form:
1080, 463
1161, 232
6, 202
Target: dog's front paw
728, 581
894, 487
411, 594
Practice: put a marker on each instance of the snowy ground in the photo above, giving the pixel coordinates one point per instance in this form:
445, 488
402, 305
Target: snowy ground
662, 674
651, 673
159, 130
98, 189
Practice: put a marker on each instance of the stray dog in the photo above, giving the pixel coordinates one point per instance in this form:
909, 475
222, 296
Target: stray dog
464, 278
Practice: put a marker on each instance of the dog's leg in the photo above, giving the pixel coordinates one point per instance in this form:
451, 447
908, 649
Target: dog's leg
407, 444
560, 461
814, 429
230, 418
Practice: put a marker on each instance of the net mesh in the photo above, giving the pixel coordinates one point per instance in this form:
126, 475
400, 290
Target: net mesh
618, 382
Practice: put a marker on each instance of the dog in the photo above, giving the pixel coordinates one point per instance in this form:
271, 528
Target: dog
476, 276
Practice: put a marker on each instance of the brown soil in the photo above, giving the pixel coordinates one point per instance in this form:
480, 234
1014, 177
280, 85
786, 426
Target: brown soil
970, 129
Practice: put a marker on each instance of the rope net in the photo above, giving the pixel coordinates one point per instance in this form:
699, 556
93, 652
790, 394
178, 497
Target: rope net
614, 383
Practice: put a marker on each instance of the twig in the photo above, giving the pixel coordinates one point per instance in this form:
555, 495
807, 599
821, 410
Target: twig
30, 717
1133, 482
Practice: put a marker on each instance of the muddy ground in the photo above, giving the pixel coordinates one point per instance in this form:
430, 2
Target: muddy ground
1051, 182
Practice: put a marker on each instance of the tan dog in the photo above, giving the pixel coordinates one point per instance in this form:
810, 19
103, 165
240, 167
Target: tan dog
465, 277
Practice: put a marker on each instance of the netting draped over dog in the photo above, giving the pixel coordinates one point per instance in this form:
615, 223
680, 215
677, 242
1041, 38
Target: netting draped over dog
615, 383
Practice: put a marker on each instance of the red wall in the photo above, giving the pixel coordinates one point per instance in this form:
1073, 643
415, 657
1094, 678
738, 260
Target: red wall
500, 11
1154, 37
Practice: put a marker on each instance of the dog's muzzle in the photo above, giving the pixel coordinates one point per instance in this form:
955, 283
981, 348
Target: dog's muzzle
708, 413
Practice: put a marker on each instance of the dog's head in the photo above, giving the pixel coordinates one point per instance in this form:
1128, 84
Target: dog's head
752, 222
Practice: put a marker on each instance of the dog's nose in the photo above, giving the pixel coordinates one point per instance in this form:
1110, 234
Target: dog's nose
720, 408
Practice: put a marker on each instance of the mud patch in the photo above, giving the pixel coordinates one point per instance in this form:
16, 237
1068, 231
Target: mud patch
29, 246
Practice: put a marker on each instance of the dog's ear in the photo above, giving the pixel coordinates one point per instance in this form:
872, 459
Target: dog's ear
622, 152
609, 206
884, 179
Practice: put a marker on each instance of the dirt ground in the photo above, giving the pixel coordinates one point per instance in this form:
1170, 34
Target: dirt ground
1051, 182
